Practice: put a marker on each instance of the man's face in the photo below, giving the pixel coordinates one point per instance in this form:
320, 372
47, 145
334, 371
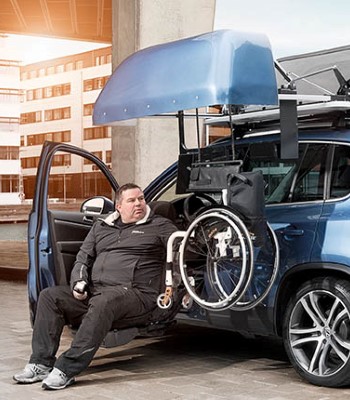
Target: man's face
132, 205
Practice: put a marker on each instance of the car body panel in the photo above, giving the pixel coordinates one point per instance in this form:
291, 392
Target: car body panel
332, 244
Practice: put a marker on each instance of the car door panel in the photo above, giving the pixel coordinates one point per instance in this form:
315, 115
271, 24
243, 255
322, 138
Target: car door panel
68, 230
55, 236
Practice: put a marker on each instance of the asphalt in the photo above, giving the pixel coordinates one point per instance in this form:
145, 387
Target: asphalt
188, 363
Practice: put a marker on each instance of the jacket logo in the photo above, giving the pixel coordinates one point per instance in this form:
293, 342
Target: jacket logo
136, 231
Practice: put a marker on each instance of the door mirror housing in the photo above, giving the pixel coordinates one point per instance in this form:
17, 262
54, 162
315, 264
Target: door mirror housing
97, 205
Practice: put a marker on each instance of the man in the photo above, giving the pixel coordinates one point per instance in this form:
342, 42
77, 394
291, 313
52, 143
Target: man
116, 275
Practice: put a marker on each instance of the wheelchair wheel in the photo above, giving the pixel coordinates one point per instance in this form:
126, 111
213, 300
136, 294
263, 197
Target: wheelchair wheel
266, 264
216, 259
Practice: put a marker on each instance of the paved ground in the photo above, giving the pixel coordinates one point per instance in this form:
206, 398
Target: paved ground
187, 364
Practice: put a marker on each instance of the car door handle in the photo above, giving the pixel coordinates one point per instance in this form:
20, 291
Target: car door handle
88, 218
293, 232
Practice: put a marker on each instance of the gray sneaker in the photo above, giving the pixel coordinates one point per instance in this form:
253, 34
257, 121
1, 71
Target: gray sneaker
32, 373
57, 380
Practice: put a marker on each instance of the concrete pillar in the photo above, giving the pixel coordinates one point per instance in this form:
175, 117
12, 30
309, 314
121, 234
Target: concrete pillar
142, 148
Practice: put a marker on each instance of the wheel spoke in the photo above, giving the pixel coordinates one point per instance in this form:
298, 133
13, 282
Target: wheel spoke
305, 340
304, 331
322, 367
316, 356
310, 311
343, 343
343, 315
321, 318
333, 311
339, 352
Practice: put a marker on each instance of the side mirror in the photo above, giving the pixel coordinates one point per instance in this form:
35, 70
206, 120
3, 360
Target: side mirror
97, 205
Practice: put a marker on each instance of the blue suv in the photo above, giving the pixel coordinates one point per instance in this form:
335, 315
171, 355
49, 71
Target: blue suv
263, 214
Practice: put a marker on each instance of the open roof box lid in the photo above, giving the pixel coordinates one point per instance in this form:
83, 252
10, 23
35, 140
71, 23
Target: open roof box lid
217, 68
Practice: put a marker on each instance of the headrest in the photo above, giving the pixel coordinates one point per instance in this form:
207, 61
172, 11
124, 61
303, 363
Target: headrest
164, 208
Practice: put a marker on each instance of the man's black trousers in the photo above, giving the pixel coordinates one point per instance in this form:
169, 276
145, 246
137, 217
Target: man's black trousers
57, 307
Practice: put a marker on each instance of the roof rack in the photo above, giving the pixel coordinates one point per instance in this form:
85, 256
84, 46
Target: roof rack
307, 106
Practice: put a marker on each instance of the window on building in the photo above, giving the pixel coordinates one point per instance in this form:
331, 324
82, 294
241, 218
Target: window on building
88, 85
79, 64
98, 83
66, 112
50, 70
66, 88
95, 153
57, 90
29, 162
70, 66
48, 115
98, 132
60, 160
59, 68
31, 117
66, 136
88, 108
39, 139
57, 114
9, 183
38, 94
9, 125
108, 156
29, 95
48, 91
9, 153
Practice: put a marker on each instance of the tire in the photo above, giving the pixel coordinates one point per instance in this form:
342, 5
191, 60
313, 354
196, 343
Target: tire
216, 259
316, 331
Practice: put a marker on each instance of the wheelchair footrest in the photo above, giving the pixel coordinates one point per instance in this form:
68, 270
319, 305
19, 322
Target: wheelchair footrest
118, 337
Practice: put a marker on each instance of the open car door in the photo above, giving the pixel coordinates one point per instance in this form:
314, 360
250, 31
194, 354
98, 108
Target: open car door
58, 226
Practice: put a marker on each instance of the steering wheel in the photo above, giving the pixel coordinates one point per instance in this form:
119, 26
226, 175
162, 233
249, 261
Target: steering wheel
194, 203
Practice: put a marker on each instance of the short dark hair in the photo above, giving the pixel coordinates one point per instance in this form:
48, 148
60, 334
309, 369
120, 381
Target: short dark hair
123, 188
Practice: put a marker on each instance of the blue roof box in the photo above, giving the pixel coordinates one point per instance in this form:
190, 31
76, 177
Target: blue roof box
220, 67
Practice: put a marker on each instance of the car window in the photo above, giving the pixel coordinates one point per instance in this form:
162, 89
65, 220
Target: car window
340, 180
73, 179
292, 180
286, 181
278, 177
309, 184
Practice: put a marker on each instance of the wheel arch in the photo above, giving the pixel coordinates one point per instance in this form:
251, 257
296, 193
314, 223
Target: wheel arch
299, 274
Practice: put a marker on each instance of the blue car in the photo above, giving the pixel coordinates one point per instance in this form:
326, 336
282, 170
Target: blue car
263, 214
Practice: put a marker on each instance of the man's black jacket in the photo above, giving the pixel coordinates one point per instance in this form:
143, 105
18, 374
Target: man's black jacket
131, 255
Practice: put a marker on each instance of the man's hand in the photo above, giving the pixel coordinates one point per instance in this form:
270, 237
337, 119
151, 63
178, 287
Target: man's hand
79, 290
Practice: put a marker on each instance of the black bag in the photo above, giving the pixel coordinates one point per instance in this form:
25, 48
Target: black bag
211, 177
245, 194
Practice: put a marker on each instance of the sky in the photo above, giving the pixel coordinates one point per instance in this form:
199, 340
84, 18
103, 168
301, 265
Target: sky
292, 26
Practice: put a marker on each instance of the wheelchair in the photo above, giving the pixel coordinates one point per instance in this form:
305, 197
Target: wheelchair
223, 259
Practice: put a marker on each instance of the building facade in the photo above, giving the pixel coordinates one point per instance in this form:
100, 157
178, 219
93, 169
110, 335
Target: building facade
57, 106
11, 188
